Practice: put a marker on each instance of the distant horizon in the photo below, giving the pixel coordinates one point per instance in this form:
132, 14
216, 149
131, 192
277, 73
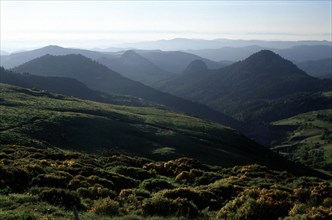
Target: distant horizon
103, 24
30, 47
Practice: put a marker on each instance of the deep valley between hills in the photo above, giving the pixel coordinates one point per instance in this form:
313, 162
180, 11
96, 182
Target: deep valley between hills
163, 135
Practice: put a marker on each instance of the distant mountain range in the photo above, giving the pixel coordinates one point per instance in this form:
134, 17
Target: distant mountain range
143, 66
250, 90
2, 52
318, 68
299, 53
134, 66
99, 77
177, 61
199, 44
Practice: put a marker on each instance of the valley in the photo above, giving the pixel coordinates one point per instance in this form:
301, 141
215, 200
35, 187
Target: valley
164, 135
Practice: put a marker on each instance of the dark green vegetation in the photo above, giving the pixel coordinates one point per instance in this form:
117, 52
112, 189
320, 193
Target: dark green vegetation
67, 86
306, 138
47, 183
318, 68
37, 118
255, 90
99, 77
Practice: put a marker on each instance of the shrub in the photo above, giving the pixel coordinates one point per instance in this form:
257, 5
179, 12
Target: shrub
122, 182
50, 180
61, 197
77, 182
95, 192
5, 191
92, 180
201, 198
161, 206
15, 178
154, 185
106, 206
133, 172
27, 216
139, 194
257, 204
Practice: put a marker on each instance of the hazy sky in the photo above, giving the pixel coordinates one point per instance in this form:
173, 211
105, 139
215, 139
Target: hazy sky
28, 24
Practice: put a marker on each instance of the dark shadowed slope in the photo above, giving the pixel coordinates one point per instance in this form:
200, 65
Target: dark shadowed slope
97, 76
37, 118
67, 86
250, 88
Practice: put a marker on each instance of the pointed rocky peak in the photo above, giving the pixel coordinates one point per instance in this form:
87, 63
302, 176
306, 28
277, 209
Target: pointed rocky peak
196, 66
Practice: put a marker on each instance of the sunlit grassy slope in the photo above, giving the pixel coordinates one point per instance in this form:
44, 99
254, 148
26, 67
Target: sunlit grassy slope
37, 118
307, 138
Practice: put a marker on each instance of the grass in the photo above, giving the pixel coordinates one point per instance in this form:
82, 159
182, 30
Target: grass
38, 118
308, 139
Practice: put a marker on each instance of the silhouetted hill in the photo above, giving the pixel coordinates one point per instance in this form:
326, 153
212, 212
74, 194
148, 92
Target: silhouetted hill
135, 67
318, 68
16, 59
99, 77
247, 87
197, 66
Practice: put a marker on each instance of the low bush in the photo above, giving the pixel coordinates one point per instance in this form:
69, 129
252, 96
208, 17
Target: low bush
133, 172
201, 198
92, 180
105, 206
161, 206
154, 185
61, 197
50, 180
95, 192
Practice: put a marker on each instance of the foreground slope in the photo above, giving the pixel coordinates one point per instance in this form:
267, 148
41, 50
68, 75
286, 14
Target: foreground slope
99, 77
253, 89
47, 183
37, 118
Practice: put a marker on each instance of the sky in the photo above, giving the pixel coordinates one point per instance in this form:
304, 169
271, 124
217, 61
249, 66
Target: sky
101, 24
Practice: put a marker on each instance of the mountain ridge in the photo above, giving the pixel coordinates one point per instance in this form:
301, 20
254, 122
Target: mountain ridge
97, 76
262, 77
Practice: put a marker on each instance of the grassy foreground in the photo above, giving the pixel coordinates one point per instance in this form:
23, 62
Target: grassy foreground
48, 183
